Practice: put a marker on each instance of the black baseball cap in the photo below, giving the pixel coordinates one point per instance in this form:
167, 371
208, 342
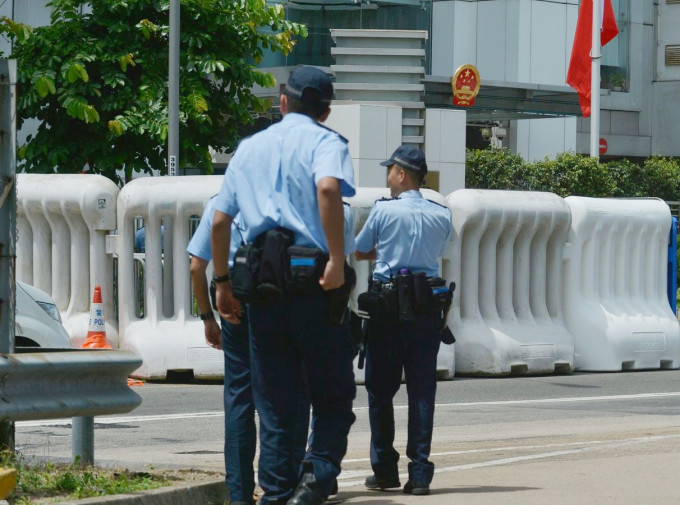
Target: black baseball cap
306, 77
408, 157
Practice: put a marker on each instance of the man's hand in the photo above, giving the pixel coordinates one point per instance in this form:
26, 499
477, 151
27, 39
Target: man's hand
213, 335
227, 305
333, 275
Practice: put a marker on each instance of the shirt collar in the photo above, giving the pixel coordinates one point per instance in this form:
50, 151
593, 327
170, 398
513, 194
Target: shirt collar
296, 117
412, 193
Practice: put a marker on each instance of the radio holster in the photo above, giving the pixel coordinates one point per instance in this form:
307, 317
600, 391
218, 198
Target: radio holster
258, 273
271, 267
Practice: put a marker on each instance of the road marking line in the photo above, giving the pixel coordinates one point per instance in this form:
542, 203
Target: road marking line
194, 415
517, 459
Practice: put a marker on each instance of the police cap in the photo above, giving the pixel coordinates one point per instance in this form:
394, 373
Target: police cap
309, 78
408, 157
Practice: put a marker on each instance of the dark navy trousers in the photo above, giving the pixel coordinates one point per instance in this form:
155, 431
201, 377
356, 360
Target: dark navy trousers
239, 414
391, 347
290, 340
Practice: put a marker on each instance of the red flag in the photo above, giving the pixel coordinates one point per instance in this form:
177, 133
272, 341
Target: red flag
579, 73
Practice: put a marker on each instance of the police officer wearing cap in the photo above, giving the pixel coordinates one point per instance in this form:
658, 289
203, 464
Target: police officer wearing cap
406, 233
293, 175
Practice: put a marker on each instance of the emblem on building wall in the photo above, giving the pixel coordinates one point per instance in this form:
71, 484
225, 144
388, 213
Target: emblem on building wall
465, 85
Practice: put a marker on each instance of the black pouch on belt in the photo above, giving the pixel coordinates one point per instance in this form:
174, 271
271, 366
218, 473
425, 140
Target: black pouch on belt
338, 299
305, 267
405, 294
271, 280
424, 300
244, 272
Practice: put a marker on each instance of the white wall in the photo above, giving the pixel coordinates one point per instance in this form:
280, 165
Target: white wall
537, 138
445, 147
373, 132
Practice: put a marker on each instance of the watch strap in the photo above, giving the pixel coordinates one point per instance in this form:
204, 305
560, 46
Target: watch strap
220, 278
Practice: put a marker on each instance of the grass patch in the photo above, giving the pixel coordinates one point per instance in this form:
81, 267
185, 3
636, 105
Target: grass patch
46, 482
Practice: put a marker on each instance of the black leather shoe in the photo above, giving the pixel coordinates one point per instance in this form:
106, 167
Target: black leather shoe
374, 482
416, 488
334, 489
308, 491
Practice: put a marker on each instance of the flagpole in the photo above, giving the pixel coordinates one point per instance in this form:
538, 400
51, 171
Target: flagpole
596, 57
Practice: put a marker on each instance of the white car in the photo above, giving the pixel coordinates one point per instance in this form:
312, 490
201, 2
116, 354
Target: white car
38, 322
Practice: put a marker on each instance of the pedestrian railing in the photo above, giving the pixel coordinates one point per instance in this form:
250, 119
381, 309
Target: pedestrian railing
507, 260
62, 223
615, 274
166, 333
519, 272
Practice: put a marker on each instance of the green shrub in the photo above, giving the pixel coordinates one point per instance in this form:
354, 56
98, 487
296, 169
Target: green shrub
627, 176
494, 169
661, 178
572, 174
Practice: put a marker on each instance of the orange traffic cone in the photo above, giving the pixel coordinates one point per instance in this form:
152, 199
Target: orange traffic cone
96, 331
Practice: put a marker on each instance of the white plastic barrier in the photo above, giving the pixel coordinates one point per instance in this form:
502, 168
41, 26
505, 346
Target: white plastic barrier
615, 301
506, 257
166, 335
62, 223
362, 203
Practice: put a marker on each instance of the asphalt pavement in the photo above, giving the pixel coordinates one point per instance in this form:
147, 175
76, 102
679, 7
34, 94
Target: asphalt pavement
580, 438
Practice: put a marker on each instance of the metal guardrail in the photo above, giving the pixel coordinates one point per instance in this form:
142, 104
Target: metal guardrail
78, 384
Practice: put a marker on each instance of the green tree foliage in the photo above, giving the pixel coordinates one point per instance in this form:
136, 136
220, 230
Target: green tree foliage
96, 79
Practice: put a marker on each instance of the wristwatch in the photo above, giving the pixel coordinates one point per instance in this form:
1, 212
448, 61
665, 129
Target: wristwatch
207, 315
220, 278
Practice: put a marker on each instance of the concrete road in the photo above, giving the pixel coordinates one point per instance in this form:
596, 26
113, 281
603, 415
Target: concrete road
589, 438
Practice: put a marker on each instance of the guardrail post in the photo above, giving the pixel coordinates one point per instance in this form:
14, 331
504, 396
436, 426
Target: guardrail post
83, 440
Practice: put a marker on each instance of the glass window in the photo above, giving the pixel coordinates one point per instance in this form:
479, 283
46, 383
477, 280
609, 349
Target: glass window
321, 16
614, 70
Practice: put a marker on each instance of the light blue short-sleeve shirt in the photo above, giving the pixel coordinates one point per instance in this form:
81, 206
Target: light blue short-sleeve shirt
271, 179
199, 245
409, 232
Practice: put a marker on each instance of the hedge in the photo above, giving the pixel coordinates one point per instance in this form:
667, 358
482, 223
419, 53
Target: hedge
573, 174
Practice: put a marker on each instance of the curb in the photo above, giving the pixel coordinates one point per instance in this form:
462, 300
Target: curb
206, 493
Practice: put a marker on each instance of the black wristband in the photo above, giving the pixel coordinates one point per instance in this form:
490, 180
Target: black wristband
221, 278
207, 315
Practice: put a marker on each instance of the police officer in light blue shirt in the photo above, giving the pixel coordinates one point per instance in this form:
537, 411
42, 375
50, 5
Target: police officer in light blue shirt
405, 234
239, 409
293, 175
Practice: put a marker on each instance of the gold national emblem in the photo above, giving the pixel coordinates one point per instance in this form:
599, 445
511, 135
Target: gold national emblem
465, 85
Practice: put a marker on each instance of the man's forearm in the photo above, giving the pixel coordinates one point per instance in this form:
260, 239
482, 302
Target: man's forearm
198, 269
220, 236
332, 215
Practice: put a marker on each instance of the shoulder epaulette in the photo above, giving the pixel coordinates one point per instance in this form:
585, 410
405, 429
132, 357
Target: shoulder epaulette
332, 130
437, 203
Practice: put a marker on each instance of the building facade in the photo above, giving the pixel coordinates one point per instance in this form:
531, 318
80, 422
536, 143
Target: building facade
522, 50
